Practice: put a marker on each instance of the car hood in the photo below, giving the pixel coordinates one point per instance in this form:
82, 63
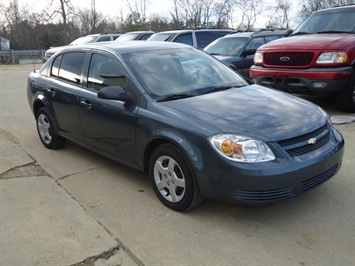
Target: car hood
225, 57
56, 49
253, 111
312, 42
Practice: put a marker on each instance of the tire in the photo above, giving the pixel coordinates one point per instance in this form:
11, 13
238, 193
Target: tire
345, 101
47, 131
173, 179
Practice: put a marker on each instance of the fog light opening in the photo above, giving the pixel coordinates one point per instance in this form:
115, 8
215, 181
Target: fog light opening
319, 84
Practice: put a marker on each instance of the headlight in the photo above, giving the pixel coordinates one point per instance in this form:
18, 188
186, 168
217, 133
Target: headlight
258, 58
324, 113
241, 148
332, 58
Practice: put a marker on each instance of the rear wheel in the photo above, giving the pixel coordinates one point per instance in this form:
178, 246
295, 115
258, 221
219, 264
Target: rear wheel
173, 179
345, 101
47, 131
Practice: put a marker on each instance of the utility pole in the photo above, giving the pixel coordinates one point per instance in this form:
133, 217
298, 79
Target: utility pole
93, 16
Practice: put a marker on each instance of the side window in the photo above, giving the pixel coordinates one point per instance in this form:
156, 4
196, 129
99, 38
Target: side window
104, 71
271, 38
71, 66
55, 66
104, 39
255, 43
44, 70
185, 38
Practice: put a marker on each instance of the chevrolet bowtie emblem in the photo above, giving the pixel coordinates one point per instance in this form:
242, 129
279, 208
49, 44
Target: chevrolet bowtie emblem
312, 141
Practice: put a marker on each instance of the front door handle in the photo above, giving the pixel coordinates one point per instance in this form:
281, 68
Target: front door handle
86, 104
51, 92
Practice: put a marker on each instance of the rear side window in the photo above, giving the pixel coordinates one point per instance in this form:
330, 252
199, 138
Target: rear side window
255, 43
68, 67
273, 37
55, 66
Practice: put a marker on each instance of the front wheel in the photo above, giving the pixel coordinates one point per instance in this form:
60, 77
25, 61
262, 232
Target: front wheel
345, 101
173, 179
47, 131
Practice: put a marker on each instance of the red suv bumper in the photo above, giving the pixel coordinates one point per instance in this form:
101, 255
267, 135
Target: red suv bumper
312, 80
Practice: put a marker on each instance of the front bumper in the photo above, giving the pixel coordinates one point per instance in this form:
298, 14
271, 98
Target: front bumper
261, 184
305, 81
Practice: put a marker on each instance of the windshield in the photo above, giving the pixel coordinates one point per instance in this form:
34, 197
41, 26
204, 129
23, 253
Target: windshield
127, 37
226, 46
83, 40
334, 20
185, 72
161, 36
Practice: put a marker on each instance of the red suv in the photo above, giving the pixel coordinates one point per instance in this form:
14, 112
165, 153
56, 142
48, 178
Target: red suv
318, 57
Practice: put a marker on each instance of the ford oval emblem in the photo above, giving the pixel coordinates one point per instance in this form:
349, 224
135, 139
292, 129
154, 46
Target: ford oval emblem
284, 59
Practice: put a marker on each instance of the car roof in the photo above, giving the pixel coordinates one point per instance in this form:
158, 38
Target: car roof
191, 30
335, 8
254, 33
139, 31
128, 47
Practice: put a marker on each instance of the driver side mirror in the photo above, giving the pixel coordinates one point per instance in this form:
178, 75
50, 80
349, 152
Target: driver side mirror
116, 93
249, 52
287, 33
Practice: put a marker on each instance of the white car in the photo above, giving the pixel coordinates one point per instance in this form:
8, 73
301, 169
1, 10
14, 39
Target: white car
104, 37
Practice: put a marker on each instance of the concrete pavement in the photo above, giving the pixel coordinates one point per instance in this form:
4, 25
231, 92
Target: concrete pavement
41, 223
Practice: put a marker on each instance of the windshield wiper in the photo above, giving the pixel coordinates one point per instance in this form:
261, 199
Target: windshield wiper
175, 97
300, 33
333, 31
222, 88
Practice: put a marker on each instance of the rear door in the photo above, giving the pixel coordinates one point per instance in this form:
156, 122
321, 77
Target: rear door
62, 89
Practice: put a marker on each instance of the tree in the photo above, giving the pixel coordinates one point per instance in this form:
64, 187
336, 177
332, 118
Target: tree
89, 21
224, 13
194, 13
138, 11
280, 17
64, 9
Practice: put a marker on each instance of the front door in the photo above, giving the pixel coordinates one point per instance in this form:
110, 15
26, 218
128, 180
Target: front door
108, 126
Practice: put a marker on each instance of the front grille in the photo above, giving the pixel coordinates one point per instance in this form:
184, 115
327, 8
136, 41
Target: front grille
302, 144
286, 192
267, 195
315, 181
295, 58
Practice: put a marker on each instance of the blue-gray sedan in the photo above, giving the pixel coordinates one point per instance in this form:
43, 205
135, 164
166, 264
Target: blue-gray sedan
197, 127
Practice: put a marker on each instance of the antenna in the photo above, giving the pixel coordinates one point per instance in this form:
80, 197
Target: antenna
32, 56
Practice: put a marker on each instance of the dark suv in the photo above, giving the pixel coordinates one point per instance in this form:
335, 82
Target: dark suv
318, 58
237, 50
199, 38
